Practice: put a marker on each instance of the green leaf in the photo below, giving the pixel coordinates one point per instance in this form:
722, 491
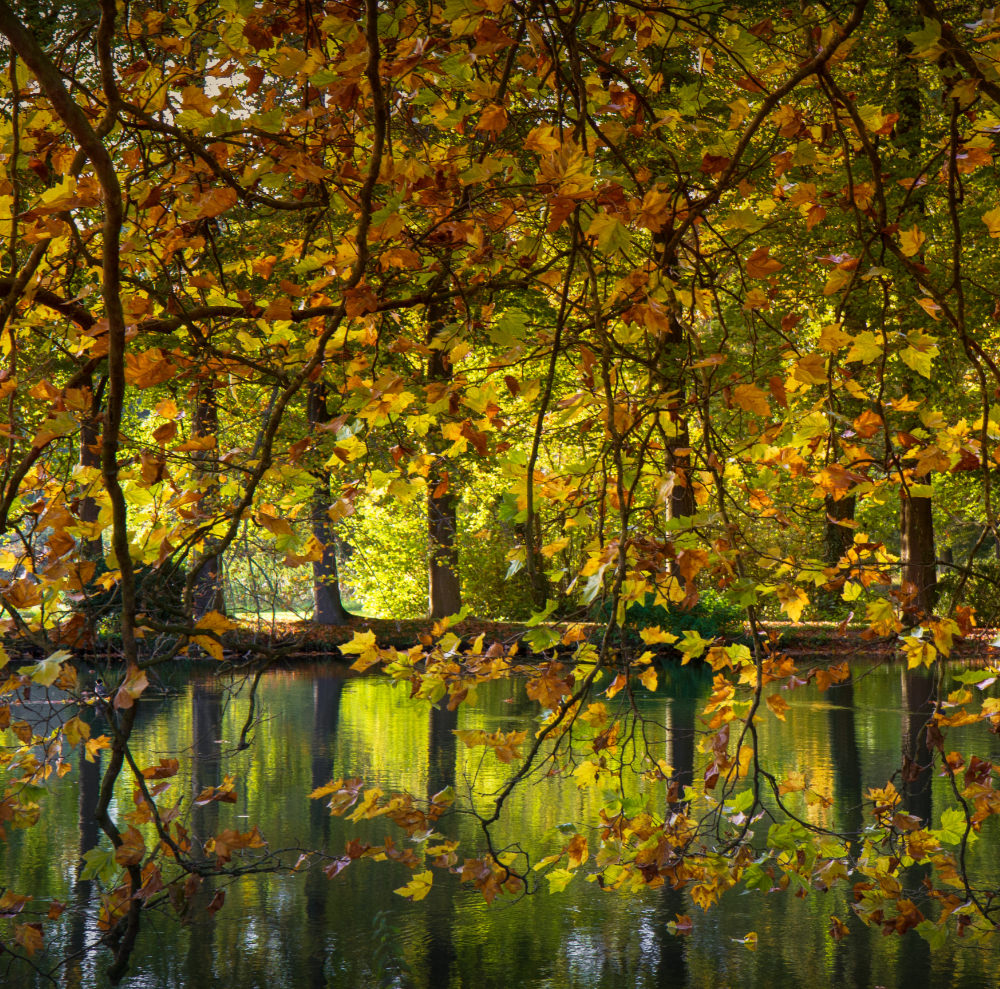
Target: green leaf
541, 638
952, 826
692, 644
975, 676
538, 617
865, 348
936, 937
925, 41
611, 234
741, 802
100, 864
559, 879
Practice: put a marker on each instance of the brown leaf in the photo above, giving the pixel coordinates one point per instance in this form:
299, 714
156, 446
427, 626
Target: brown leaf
760, 264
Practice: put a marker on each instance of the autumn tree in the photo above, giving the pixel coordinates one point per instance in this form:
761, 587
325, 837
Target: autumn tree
707, 288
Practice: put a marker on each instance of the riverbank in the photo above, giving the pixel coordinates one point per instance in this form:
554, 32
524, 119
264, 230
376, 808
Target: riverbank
795, 638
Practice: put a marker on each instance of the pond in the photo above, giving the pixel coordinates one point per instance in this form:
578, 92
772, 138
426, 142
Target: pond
292, 930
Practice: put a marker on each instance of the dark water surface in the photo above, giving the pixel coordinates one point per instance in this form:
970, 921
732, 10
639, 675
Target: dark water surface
303, 930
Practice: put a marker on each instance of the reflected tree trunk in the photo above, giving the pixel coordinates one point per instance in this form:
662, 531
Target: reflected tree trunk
917, 697
847, 776
681, 715
83, 889
440, 903
681, 733
326, 716
206, 727
918, 693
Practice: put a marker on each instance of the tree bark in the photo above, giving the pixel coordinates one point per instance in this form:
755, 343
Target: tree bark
328, 608
444, 587
445, 591
670, 371
207, 593
917, 554
837, 538
916, 519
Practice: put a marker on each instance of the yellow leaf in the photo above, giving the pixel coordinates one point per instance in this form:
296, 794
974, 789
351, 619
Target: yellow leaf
471, 737
94, 745
778, 706
368, 808
930, 307
793, 600
493, 119
559, 879
795, 782
215, 621
616, 686
945, 630
595, 714
648, 678
76, 731
542, 139
692, 645
838, 279
655, 634
545, 862
881, 616
992, 221
133, 686
418, 887
46, 671
810, 370
577, 851
832, 337
918, 652
910, 241
752, 399
363, 645
865, 348
586, 774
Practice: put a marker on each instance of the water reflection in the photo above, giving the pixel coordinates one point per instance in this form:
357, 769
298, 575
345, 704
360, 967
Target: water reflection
206, 721
326, 693
310, 931
84, 890
851, 960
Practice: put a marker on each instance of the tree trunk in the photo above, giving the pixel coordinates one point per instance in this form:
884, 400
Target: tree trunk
444, 587
207, 592
90, 456
328, 607
917, 555
837, 538
916, 520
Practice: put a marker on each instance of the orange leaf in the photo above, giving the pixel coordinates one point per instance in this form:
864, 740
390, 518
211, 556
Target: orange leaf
760, 264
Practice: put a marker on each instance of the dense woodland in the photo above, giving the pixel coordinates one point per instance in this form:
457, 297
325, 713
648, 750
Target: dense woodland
675, 320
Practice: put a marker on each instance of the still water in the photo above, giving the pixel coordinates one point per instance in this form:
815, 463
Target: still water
303, 930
